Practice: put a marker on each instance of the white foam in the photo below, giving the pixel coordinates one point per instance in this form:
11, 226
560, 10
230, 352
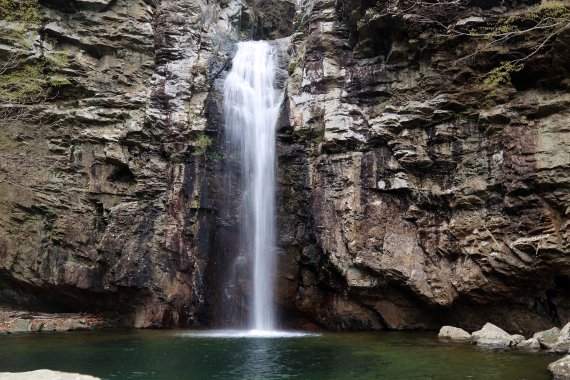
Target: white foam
246, 334
251, 111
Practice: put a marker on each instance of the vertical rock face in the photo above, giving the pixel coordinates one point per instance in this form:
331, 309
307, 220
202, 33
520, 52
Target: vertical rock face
410, 196
109, 195
413, 196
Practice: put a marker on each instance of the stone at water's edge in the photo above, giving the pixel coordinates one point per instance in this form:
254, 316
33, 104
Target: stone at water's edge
548, 338
20, 322
531, 344
44, 374
563, 342
454, 333
554, 339
492, 336
560, 369
518, 339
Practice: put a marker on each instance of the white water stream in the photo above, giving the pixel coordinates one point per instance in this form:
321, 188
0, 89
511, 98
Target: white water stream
251, 113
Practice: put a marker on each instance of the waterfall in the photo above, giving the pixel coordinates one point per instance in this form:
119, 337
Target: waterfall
251, 112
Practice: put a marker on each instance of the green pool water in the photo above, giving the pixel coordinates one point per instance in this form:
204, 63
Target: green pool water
180, 354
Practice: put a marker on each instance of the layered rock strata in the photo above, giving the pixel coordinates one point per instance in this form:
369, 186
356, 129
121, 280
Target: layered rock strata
411, 196
106, 204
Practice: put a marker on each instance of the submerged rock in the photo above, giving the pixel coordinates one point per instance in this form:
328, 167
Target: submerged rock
44, 374
560, 369
492, 336
453, 333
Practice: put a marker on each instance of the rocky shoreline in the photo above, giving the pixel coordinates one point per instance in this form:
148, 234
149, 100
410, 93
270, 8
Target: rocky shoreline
22, 321
490, 336
554, 339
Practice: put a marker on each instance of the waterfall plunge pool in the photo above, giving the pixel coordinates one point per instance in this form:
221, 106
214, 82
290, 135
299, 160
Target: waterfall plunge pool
188, 354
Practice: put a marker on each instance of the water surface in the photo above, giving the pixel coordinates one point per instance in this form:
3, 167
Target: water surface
182, 354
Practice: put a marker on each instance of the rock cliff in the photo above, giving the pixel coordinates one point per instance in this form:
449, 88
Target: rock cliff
425, 197
411, 195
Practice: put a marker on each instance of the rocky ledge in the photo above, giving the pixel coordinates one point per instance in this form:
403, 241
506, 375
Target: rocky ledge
19, 322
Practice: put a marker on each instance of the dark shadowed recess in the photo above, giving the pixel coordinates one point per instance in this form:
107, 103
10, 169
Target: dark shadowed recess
68, 299
267, 19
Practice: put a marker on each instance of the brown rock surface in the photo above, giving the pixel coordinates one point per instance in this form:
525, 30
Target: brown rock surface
20, 322
409, 196
430, 201
560, 369
105, 205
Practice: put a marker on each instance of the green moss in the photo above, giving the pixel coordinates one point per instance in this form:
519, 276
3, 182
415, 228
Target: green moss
27, 81
32, 82
215, 155
22, 16
291, 67
8, 143
201, 144
314, 133
25, 11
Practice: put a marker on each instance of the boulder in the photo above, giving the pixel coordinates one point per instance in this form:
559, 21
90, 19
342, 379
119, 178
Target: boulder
453, 333
560, 369
518, 339
529, 344
548, 338
44, 374
492, 336
563, 342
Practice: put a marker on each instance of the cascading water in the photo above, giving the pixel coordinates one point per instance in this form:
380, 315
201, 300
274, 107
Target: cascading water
251, 113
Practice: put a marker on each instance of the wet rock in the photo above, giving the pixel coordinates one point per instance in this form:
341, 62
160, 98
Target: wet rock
548, 338
560, 369
518, 339
531, 344
453, 333
122, 135
20, 322
563, 342
492, 336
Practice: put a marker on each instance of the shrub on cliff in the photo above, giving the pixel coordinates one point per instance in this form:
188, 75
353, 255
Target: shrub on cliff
507, 37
